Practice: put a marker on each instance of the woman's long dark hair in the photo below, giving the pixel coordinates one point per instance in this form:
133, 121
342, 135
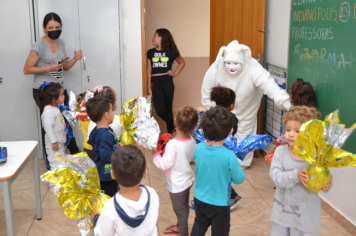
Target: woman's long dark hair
302, 94
167, 42
51, 16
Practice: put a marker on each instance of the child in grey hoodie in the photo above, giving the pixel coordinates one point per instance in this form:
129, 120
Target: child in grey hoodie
295, 210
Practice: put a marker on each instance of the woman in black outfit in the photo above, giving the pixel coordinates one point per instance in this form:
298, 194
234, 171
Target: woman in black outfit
160, 74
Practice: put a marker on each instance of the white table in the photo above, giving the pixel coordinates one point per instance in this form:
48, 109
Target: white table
18, 156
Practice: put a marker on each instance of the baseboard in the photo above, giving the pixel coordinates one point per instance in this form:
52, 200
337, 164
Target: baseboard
345, 223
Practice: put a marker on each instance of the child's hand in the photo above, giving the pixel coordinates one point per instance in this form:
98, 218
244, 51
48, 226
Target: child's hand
121, 144
326, 188
303, 177
55, 147
95, 212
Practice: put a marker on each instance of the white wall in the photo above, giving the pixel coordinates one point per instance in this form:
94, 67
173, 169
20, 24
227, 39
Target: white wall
277, 36
187, 20
342, 194
132, 82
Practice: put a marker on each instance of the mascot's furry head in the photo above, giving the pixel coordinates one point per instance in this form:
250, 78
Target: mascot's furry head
233, 53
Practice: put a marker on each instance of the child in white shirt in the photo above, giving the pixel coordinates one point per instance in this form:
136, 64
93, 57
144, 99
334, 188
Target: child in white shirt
175, 161
49, 95
133, 211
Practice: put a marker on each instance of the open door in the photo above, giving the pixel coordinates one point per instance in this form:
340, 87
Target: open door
241, 20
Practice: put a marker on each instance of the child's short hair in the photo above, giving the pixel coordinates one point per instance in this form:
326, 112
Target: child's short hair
48, 94
216, 123
107, 92
301, 114
128, 164
222, 96
302, 94
80, 98
187, 119
96, 107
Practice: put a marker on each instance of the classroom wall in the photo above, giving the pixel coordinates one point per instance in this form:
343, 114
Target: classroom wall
131, 23
189, 23
342, 194
277, 36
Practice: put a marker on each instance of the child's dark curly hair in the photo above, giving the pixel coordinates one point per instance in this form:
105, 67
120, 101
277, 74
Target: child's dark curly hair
107, 92
187, 119
302, 94
222, 96
49, 94
216, 123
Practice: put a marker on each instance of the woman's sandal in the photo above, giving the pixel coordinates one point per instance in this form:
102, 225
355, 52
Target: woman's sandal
171, 231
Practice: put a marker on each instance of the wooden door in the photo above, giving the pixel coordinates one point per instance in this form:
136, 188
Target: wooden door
241, 20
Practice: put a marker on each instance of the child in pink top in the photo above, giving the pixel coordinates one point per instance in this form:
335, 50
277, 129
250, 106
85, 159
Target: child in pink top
175, 161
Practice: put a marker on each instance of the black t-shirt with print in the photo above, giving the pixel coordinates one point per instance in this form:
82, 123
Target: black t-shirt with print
161, 63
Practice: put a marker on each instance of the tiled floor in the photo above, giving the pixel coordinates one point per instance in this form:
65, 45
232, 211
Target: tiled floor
250, 217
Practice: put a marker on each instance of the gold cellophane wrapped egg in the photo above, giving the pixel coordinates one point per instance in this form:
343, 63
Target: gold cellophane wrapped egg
319, 177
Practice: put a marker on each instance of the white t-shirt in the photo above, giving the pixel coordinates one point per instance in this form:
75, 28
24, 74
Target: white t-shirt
110, 223
115, 126
54, 124
175, 161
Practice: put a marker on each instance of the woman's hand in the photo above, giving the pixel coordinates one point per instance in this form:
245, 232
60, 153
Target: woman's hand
303, 177
171, 73
55, 147
53, 67
78, 55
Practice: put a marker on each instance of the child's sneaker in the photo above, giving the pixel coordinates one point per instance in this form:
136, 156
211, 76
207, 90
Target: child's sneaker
234, 202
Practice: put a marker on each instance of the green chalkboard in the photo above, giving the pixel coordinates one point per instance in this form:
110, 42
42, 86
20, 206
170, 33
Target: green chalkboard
322, 51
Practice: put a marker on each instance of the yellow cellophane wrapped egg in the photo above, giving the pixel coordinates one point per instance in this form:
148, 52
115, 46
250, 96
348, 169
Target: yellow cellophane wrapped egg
319, 177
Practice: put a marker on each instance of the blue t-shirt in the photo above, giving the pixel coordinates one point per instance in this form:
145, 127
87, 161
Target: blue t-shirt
215, 168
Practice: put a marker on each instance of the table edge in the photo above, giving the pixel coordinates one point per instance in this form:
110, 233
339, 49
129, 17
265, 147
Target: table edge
10, 177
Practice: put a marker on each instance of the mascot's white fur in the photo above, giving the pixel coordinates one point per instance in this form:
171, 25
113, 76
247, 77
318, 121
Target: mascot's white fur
244, 75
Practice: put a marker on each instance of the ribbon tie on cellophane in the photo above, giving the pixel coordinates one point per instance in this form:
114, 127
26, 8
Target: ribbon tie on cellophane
77, 180
319, 143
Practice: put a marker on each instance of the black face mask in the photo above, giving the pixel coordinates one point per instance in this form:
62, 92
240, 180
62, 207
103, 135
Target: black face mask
54, 34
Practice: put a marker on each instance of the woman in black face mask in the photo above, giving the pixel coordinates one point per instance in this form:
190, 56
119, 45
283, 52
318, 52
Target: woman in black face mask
44, 61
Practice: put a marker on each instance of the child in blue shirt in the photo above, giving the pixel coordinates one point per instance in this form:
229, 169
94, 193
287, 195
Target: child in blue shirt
103, 140
215, 168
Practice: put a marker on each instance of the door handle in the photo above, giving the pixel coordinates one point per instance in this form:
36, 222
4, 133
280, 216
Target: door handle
258, 57
0, 80
85, 67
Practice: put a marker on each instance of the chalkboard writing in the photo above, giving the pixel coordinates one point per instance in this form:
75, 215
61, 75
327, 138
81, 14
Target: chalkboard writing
322, 51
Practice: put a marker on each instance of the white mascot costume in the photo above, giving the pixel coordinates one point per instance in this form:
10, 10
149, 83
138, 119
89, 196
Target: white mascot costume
243, 74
